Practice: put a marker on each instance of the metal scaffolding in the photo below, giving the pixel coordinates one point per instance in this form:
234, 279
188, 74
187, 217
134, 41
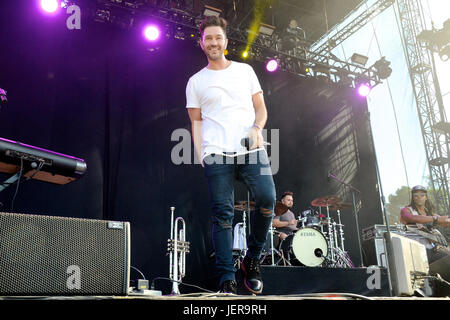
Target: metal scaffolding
327, 43
430, 106
183, 25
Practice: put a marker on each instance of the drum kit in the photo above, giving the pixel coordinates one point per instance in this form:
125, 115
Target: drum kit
319, 240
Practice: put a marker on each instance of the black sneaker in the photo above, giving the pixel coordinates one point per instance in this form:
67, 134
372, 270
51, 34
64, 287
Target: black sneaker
228, 286
252, 275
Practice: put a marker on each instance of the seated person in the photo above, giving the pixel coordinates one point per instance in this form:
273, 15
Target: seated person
286, 224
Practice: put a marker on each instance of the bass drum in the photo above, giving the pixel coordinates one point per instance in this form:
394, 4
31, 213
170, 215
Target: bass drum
306, 247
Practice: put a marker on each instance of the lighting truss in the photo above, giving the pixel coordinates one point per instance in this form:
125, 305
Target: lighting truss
429, 103
332, 39
264, 47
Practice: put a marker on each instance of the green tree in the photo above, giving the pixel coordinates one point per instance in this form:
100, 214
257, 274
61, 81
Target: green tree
395, 203
401, 198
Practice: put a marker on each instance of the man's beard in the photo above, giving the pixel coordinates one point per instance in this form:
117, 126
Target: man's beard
216, 56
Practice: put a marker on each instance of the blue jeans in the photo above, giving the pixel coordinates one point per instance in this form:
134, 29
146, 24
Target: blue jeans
221, 172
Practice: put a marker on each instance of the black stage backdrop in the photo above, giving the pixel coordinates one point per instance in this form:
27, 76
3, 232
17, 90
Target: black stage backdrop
102, 94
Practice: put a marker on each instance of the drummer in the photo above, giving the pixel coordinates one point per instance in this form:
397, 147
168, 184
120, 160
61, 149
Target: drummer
286, 224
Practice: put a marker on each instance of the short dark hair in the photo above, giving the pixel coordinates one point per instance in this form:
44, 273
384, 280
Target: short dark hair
287, 193
210, 21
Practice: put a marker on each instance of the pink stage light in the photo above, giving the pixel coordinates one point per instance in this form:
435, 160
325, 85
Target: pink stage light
49, 6
364, 90
151, 33
272, 65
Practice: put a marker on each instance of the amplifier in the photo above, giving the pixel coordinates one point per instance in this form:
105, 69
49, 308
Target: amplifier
48, 255
374, 246
408, 264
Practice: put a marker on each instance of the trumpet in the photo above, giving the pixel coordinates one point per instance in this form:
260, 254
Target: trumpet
177, 247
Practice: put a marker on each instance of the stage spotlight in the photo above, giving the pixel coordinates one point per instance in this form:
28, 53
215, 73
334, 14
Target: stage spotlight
364, 89
382, 67
266, 29
211, 11
49, 6
445, 53
272, 65
151, 33
359, 59
245, 54
425, 37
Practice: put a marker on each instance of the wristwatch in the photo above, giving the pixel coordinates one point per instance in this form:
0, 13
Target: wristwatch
435, 219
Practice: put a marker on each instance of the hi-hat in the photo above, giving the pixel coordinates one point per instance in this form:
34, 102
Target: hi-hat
243, 205
280, 208
326, 200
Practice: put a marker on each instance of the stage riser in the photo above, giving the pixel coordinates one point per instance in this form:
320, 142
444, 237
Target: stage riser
303, 280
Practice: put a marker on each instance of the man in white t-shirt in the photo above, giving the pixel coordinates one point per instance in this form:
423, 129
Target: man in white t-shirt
226, 106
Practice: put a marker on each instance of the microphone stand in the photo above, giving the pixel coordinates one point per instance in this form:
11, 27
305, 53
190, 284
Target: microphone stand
331, 175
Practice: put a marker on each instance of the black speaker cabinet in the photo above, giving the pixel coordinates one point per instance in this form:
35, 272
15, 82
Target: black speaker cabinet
47, 255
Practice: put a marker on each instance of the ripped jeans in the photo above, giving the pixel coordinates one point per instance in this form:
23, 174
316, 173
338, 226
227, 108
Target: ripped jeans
221, 172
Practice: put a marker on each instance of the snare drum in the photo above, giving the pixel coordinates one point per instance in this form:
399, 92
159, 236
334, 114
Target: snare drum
311, 218
306, 247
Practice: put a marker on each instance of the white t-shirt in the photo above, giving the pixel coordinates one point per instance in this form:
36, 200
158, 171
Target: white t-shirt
225, 99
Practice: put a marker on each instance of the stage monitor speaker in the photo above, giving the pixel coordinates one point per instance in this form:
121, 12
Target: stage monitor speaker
408, 264
48, 255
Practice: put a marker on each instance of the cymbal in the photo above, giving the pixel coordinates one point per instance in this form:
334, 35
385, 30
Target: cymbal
340, 206
326, 200
280, 208
243, 205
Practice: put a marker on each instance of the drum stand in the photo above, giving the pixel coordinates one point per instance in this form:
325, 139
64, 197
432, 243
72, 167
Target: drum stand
341, 230
330, 236
340, 257
273, 251
243, 250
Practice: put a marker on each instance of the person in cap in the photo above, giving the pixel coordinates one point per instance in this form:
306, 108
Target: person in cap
421, 210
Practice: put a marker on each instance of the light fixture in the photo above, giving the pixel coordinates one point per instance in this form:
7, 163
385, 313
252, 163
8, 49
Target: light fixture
425, 36
444, 53
363, 86
272, 65
49, 6
439, 161
266, 29
437, 40
441, 127
364, 89
151, 32
359, 59
382, 68
211, 11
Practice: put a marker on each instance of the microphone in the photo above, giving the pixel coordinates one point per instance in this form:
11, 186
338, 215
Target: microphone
247, 143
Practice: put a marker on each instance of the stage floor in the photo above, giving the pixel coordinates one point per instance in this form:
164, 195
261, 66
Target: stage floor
226, 297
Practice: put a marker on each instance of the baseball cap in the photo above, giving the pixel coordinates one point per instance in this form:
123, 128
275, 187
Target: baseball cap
418, 188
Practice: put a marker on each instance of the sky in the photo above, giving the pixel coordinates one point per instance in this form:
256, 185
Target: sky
395, 124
